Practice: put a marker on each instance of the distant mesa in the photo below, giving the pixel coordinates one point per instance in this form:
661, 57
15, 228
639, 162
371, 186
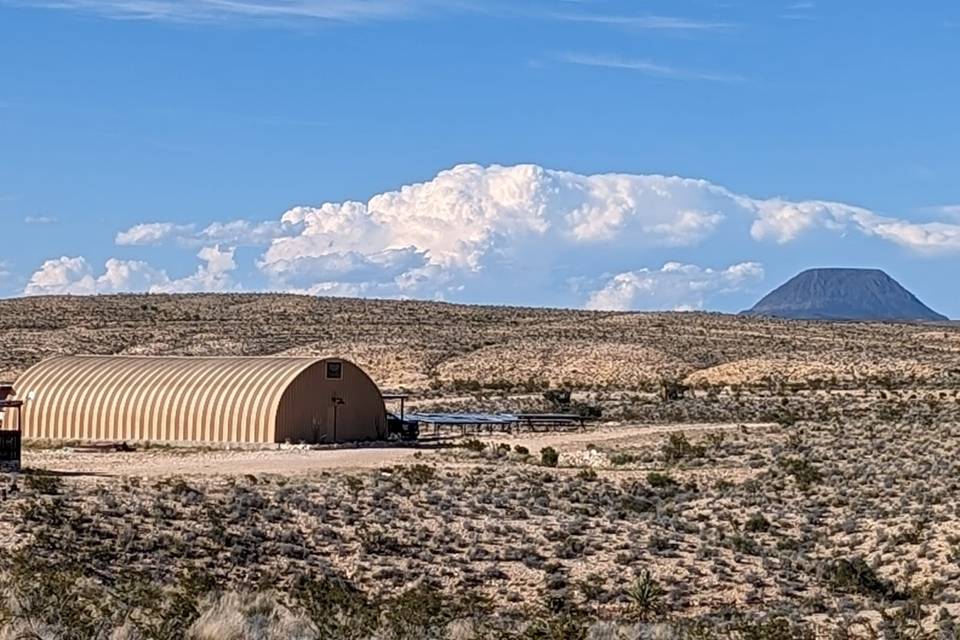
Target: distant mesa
844, 294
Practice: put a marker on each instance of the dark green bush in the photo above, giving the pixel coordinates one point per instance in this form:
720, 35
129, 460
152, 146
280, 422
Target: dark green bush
473, 444
418, 473
335, 608
678, 448
44, 483
621, 458
854, 575
659, 480
549, 457
803, 472
756, 523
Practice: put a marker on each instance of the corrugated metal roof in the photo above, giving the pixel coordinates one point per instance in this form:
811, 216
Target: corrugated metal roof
225, 399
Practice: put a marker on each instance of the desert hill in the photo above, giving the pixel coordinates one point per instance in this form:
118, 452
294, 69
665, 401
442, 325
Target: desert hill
424, 346
844, 294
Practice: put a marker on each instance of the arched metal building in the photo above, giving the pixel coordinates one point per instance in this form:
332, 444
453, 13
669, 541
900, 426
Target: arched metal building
188, 399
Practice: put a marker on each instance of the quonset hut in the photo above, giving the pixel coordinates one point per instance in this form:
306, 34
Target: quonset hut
203, 400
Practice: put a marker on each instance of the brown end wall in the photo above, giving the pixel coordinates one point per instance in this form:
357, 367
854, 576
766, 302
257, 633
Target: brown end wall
320, 408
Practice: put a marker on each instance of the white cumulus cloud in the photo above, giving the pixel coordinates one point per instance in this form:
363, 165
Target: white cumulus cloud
675, 286
473, 219
472, 232
783, 221
75, 276
213, 275
62, 276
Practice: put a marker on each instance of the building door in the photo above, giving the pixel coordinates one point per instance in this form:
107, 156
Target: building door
318, 427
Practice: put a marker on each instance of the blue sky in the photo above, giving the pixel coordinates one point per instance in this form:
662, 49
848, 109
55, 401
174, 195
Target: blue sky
826, 134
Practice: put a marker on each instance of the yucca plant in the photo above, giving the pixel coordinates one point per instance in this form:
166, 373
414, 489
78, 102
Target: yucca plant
646, 597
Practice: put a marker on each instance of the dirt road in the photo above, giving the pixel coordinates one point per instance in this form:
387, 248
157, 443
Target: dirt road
295, 461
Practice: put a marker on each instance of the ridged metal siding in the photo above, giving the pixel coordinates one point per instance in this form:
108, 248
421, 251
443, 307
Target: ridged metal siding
181, 399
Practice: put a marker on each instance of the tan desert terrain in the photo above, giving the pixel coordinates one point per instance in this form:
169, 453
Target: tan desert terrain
805, 486
427, 345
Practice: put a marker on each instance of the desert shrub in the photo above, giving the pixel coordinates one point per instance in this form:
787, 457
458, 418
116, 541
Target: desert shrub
467, 385
953, 554
558, 397
473, 444
556, 595
502, 449
646, 597
588, 474
756, 523
167, 613
335, 608
672, 390
62, 598
854, 575
354, 484
44, 483
716, 439
41, 594
568, 625
660, 543
621, 458
678, 448
776, 628
912, 534
420, 612
571, 547
521, 450
179, 487
785, 418
549, 457
722, 485
585, 410
418, 473
592, 587
375, 541
744, 544
805, 474
659, 480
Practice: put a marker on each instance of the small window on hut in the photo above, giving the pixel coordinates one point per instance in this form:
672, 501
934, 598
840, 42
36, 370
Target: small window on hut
335, 370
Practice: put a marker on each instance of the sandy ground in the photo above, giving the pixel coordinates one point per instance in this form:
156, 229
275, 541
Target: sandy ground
162, 462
